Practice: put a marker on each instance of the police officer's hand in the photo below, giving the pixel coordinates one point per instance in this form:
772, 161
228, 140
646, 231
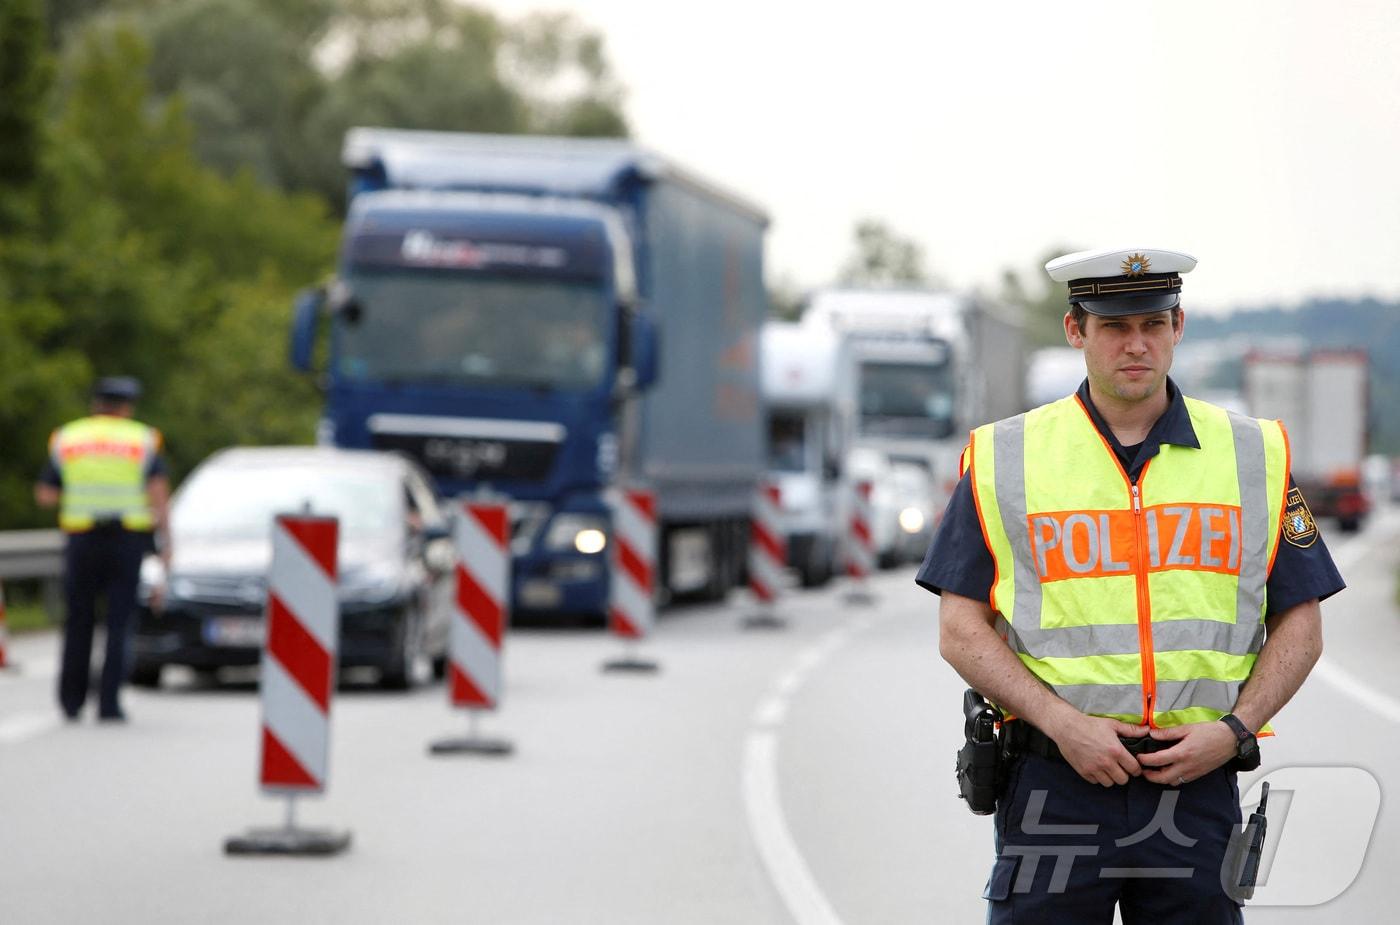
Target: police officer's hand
1200, 748
1090, 744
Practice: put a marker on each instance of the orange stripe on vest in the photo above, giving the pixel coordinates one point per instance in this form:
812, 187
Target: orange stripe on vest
1101, 544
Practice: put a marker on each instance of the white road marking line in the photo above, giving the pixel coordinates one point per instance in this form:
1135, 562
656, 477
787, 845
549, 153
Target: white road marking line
786, 866
1378, 702
763, 806
26, 726
1347, 554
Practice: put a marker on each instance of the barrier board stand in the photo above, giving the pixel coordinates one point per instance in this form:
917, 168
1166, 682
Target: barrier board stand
298, 679
767, 559
481, 537
632, 594
860, 546
5, 663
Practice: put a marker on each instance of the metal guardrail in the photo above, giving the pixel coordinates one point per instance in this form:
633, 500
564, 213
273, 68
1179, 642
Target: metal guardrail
31, 554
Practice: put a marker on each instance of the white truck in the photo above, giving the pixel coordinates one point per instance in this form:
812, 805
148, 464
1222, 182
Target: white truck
928, 367
808, 389
1322, 398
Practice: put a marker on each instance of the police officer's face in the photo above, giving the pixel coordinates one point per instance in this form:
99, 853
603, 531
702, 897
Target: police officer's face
1127, 358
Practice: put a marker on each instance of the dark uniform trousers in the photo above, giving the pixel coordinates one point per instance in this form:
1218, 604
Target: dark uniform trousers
102, 562
1069, 850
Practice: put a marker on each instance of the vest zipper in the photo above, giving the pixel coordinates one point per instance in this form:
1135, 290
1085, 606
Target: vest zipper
1144, 604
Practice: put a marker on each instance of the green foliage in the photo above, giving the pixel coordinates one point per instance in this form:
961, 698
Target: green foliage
140, 260
273, 86
883, 257
24, 79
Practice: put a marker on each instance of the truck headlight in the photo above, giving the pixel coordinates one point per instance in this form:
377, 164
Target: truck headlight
911, 520
585, 533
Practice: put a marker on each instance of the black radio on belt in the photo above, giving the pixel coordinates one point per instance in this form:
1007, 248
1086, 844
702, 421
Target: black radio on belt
979, 764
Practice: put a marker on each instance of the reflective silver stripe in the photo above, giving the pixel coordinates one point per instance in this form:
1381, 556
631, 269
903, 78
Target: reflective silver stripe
1103, 698
1122, 638
1202, 692
1009, 450
1252, 471
109, 491
1207, 635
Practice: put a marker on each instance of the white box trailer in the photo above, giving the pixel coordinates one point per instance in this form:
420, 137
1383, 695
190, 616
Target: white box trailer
1322, 398
809, 394
929, 366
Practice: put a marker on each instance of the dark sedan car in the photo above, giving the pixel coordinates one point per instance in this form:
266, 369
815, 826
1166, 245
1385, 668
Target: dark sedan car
395, 561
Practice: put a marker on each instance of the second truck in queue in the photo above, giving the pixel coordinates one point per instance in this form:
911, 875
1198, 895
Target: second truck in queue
552, 319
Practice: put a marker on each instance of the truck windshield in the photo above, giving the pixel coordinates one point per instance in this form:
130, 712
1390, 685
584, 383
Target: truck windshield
451, 327
906, 400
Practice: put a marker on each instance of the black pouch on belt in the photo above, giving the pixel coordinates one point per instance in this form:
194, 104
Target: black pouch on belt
979, 760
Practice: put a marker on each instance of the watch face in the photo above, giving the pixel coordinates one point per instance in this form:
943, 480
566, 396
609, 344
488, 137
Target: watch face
1248, 747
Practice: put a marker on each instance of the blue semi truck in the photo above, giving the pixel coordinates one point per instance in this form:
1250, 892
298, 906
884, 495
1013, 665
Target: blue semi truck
550, 319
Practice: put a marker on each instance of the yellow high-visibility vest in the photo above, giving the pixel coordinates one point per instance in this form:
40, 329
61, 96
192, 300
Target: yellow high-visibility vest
102, 461
1140, 602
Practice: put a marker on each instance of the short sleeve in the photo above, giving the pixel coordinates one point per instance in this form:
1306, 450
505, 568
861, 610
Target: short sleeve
1303, 570
958, 559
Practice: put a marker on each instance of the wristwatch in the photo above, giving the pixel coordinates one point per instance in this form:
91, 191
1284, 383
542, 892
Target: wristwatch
1246, 745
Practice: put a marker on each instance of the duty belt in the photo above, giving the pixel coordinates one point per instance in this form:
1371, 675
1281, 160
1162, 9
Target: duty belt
1021, 738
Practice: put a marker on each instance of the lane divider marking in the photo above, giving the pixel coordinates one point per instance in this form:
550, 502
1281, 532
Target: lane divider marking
787, 868
1347, 554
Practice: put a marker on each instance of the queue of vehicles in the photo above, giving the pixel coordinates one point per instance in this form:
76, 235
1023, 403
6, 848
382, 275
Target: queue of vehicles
553, 319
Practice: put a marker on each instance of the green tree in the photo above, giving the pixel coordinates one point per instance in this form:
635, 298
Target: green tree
883, 257
141, 260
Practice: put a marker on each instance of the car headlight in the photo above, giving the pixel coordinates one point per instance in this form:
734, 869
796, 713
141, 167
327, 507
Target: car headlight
911, 520
585, 533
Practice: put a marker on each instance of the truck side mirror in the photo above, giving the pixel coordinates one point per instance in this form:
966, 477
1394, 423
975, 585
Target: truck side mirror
644, 352
305, 314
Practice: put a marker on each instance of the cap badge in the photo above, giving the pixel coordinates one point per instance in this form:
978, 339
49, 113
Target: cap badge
1136, 265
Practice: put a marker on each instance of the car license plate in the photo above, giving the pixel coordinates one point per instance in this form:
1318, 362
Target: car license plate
243, 632
539, 594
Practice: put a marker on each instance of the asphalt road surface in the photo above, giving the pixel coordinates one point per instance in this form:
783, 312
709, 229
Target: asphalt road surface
802, 775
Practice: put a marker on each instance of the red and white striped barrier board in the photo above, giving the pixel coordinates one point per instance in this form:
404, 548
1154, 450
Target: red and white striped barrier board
481, 534
632, 607
767, 545
299, 656
4, 634
860, 541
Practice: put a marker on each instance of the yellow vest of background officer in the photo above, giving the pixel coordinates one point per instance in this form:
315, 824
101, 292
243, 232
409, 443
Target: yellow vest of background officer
103, 461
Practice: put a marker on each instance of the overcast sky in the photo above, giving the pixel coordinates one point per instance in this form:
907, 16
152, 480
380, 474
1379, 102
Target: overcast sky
1260, 137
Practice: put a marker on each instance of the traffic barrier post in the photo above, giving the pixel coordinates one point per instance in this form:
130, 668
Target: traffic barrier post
767, 558
5, 663
632, 595
481, 537
298, 678
860, 544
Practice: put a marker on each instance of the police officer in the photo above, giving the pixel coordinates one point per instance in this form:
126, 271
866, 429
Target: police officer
106, 476
1131, 575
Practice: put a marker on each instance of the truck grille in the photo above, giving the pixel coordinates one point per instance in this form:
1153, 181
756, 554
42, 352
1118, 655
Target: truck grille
474, 458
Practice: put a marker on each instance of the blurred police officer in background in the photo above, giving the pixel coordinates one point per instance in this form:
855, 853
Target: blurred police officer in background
109, 482
1131, 576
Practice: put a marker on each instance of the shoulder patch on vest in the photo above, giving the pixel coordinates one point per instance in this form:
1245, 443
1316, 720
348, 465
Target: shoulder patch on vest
1299, 528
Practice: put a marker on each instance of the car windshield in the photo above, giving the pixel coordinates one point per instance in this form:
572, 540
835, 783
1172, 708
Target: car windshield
787, 438
441, 326
906, 399
238, 503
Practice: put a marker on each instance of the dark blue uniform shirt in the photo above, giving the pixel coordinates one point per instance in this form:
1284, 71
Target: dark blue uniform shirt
958, 559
